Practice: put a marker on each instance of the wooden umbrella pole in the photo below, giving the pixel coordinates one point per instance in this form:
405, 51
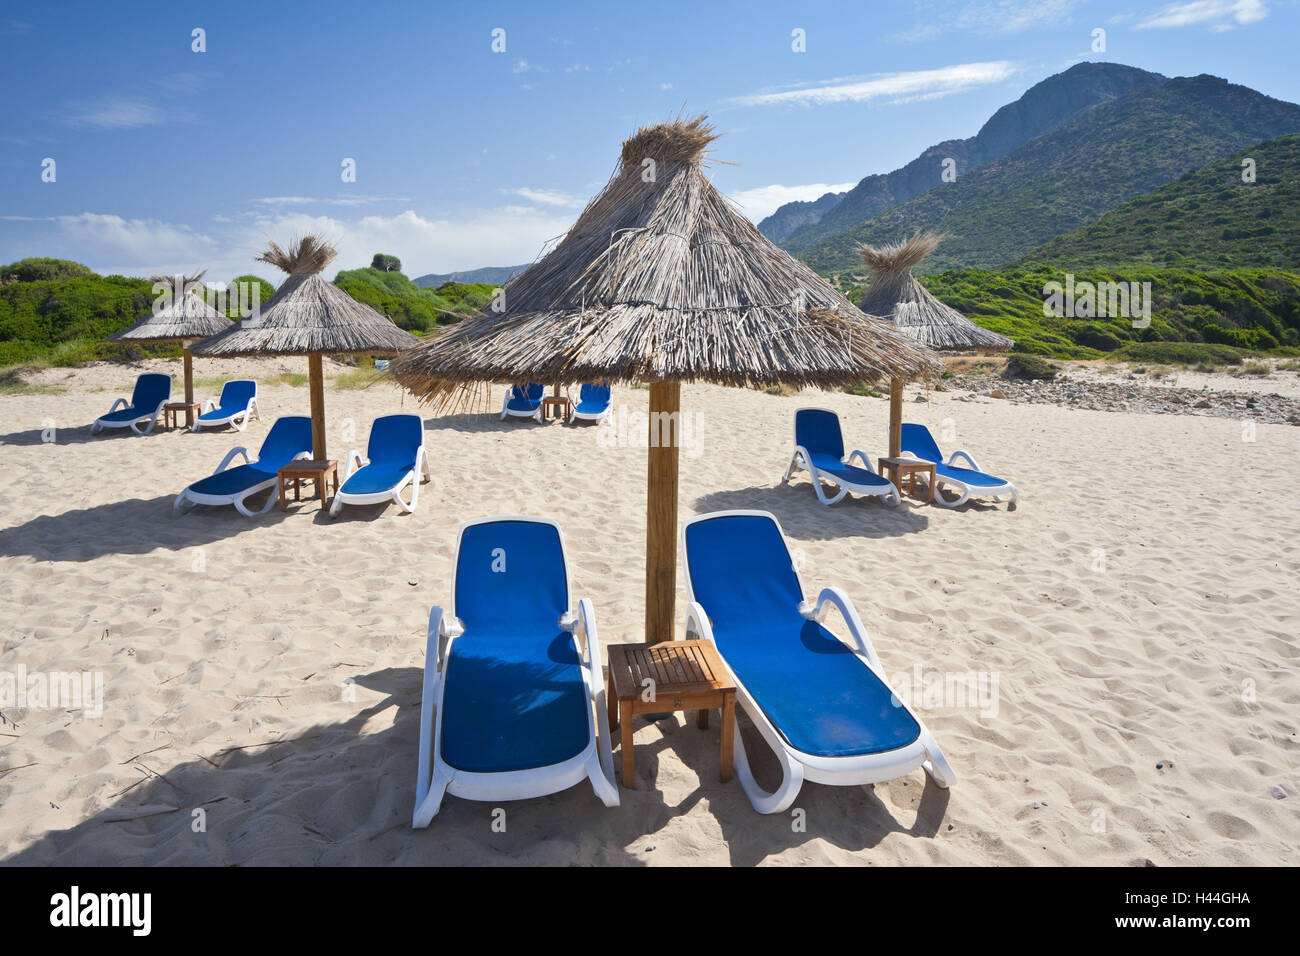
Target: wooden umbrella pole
895, 417
317, 385
661, 511
188, 360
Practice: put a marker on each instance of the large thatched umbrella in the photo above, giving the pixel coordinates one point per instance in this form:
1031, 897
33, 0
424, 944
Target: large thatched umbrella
662, 281
895, 295
185, 317
309, 316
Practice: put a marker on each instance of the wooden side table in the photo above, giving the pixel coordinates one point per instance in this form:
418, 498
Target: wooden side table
909, 468
172, 409
313, 470
559, 404
671, 675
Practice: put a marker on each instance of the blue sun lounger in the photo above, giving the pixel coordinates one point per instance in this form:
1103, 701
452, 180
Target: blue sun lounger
819, 449
237, 403
821, 704
513, 674
523, 401
395, 458
919, 443
288, 439
150, 394
592, 404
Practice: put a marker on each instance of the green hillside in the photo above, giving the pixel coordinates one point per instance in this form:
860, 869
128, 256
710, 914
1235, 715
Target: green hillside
1207, 219
1084, 168
1255, 309
410, 306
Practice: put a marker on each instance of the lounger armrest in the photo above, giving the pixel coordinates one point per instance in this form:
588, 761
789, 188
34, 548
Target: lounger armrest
230, 456
698, 623
354, 462
120, 403
209, 405
866, 462
962, 454
834, 597
582, 625
432, 667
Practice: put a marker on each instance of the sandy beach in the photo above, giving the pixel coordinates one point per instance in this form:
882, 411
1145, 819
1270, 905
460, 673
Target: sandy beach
262, 677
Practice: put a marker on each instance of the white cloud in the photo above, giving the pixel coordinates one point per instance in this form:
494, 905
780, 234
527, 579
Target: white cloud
1219, 14
119, 112
327, 200
545, 197
134, 246
990, 17
521, 65
762, 201
577, 68
665, 86
917, 83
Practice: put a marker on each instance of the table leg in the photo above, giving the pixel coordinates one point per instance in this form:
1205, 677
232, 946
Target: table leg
728, 731
930, 497
702, 719
611, 703
322, 484
629, 758
283, 492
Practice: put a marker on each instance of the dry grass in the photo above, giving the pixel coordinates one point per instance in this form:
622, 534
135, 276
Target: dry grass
306, 256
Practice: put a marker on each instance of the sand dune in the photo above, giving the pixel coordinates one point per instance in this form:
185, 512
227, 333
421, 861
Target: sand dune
1138, 610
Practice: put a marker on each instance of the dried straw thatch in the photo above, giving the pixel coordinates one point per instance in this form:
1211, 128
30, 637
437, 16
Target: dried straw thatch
659, 280
307, 314
897, 296
184, 315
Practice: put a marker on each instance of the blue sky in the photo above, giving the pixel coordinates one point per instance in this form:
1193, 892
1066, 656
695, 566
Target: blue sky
169, 159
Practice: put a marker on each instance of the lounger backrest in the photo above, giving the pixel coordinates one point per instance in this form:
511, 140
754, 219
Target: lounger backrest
918, 441
289, 437
237, 393
531, 393
150, 390
818, 430
395, 439
595, 394
510, 577
740, 570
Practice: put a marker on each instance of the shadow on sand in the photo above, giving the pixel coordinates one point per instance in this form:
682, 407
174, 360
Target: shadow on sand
338, 793
805, 518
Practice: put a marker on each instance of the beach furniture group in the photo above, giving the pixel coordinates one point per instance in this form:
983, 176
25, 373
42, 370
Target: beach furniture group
528, 401
288, 440
819, 450
150, 394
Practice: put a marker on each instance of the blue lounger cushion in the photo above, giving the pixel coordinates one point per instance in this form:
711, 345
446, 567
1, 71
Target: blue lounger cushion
527, 398
592, 400
376, 477
233, 480
124, 415
917, 440
514, 696
235, 396
848, 474
815, 691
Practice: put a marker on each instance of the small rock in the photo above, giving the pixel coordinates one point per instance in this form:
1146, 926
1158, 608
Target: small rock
1276, 792
920, 398
1203, 403
413, 583
998, 393
1165, 765
1148, 863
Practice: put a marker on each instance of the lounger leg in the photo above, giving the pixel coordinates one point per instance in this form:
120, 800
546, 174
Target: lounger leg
937, 766
939, 499
601, 766
428, 807
243, 509
791, 468
821, 494
179, 503
760, 799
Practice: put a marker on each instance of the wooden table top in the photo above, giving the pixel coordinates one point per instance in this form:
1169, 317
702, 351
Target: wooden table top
180, 406
308, 467
676, 667
904, 463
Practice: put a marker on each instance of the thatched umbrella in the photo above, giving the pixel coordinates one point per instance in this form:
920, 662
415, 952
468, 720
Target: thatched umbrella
661, 280
309, 316
186, 317
895, 295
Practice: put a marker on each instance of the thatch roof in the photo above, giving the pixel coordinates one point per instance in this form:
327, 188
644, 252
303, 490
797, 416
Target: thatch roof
896, 296
662, 279
307, 314
186, 315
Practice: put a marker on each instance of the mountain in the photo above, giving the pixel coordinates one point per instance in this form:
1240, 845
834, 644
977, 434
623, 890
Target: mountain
1042, 108
793, 216
493, 275
1111, 153
1208, 219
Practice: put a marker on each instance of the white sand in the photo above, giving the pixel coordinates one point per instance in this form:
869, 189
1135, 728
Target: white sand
219, 635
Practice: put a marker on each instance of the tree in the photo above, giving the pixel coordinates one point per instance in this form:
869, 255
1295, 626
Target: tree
386, 263
38, 268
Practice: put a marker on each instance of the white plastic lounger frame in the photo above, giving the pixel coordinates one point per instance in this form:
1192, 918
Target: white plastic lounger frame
434, 777
188, 498
964, 490
394, 494
508, 412
239, 420
797, 766
802, 460
150, 417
